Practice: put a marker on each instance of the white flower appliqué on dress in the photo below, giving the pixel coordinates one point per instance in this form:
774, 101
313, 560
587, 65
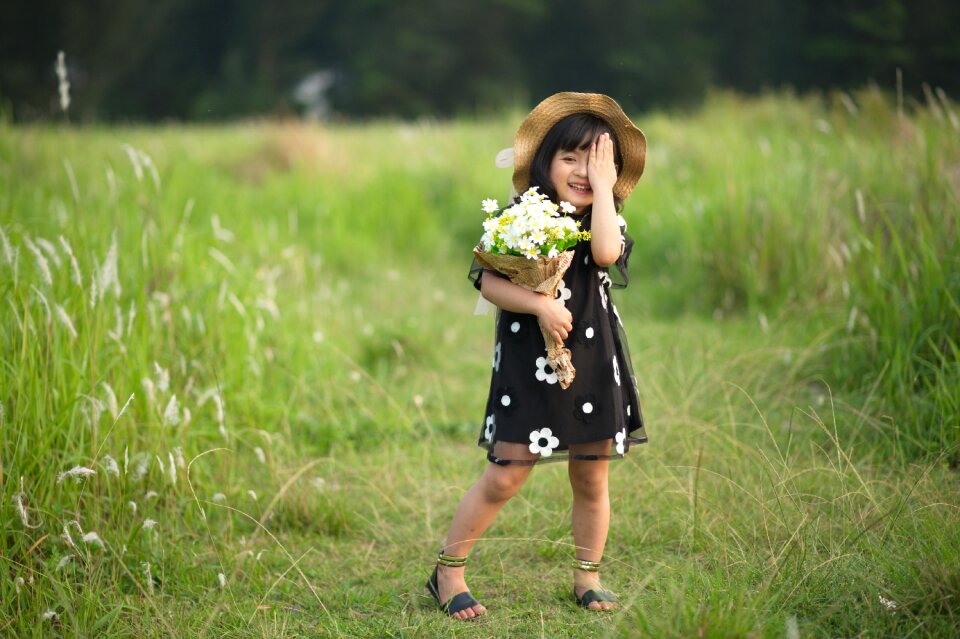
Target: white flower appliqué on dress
616, 370
621, 440
542, 374
496, 357
491, 427
543, 442
604, 285
563, 293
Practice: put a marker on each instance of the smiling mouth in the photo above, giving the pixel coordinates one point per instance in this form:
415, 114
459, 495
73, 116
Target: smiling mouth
580, 188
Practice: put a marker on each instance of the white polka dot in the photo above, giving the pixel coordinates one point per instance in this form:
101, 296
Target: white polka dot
586, 258
628, 410
505, 400
515, 327
589, 332
588, 408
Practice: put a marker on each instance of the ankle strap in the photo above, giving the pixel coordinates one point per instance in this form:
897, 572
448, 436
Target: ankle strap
586, 566
450, 560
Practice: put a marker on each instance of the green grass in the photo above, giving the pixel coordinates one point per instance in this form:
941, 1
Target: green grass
802, 468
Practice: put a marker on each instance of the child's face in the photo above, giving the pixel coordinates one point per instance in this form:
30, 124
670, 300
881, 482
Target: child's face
568, 174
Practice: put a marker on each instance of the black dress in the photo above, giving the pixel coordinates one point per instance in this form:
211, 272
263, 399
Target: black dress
526, 404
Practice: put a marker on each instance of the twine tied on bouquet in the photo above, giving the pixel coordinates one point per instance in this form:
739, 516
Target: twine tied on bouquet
541, 275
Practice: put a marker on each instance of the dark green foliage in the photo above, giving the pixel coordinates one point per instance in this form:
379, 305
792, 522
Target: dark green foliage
212, 59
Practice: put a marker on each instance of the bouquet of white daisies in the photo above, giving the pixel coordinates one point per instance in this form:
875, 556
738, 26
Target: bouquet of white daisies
529, 243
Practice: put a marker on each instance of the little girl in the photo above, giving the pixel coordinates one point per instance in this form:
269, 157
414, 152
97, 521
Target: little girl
578, 148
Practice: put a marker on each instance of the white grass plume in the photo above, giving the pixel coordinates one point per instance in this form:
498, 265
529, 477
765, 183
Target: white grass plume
21, 509
221, 259
63, 562
94, 290
141, 464
171, 414
74, 189
75, 274
63, 81
65, 320
134, 160
43, 300
149, 523
110, 465
173, 468
124, 409
131, 314
48, 247
66, 532
117, 333
77, 473
7, 249
148, 576
220, 233
109, 274
163, 378
147, 161
150, 389
42, 265
92, 538
111, 400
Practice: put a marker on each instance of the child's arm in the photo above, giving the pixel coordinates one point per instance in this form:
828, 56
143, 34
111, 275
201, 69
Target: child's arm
604, 230
553, 315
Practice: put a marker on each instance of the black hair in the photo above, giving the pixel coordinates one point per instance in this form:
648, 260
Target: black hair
577, 131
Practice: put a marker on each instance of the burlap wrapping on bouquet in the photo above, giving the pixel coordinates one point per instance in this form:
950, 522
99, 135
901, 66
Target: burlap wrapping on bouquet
540, 275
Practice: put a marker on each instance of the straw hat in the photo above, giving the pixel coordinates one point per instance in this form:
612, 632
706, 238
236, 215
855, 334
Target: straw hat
630, 139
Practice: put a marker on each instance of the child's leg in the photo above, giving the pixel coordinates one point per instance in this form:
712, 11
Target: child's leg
476, 512
591, 513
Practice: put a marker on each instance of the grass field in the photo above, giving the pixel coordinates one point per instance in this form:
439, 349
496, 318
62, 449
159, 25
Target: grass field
259, 340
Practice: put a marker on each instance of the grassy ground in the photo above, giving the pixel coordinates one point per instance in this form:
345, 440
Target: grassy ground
287, 307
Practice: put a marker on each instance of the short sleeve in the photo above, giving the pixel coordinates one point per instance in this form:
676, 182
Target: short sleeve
476, 272
618, 275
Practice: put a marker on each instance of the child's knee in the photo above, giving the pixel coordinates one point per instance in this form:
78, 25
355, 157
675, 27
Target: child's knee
590, 483
503, 483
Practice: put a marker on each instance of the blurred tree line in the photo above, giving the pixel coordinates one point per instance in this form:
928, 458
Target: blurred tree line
216, 59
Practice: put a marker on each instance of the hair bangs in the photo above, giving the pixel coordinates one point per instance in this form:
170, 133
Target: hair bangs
579, 131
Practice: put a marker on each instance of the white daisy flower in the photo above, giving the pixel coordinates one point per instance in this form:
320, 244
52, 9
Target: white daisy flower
566, 207
543, 442
542, 374
563, 293
496, 357
616, 370
491, 427
621, 440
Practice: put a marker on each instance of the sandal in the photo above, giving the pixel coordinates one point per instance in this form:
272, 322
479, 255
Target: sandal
591, 596
458, 602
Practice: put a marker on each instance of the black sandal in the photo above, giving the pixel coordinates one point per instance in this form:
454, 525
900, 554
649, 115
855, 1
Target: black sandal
591, 596
458, 602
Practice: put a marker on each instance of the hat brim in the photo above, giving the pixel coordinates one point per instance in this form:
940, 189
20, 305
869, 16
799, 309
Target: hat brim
631, 141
